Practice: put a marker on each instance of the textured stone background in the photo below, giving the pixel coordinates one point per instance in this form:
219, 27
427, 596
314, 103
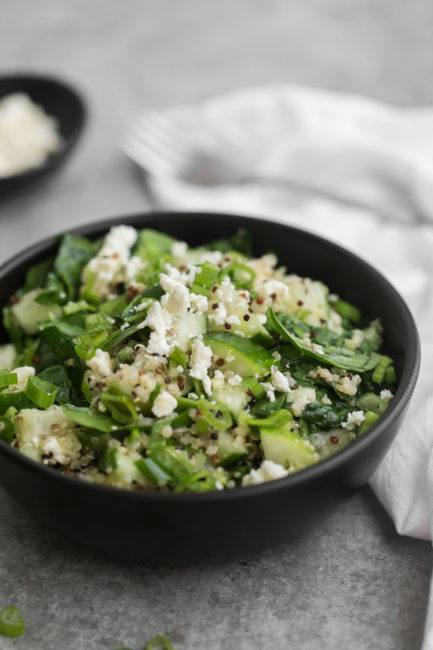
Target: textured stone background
353, 583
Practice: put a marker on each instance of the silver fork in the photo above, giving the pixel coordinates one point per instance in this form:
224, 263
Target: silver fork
165, 148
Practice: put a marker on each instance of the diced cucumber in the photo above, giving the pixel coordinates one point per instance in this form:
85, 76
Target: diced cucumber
240, 354
234, 398
189, 326
33, 426
7, 356
28, 313
230, 450
125, 472
327, 443
151, 244
287, 448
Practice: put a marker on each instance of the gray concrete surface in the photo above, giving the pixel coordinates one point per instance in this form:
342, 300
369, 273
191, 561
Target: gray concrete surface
353, 583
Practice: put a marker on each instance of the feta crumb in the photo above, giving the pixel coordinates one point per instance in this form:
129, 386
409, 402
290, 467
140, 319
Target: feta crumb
23, 373
235, 380
348, 384
354, 420
100, 363
176, 299
355, 341
386, 395
198, 302
233, 320
270, 390
276, 355
179, 249
300, 397
279, 381
200, 360
158, 319
268, 471
219, 315
218, 380
164, 404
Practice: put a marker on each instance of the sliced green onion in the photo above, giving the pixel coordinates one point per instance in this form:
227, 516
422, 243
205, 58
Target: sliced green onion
205, 279
347, 310
242, 275
390, 376
255, 387
275, 420
107, 460
265, 407
85, 347
369, 419
181, 420
370, 402
40, 392
216, 415
7, 429
7, 378
184, 403
85, 417
120, 405
178, 357
17, 400
160, 642
153, 471
11, 622
380, 370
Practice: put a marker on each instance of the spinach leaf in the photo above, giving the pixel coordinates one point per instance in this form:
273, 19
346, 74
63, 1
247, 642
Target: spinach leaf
332, 355
73, 255
323, 416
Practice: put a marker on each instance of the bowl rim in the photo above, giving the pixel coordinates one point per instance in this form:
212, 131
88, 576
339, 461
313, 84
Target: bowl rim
65, 86
322, 468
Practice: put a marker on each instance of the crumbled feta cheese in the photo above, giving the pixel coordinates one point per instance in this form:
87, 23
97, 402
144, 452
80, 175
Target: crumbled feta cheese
348, 384
354, 420
234, 380
324, 374
325, 400
355, 341
158, 320
218, 315
198, 302
300, 397
164, 404
176, 299
268, 471
276, 355
386, 395
23, 373
279, 381
218, 380
233, 320
200, 360
270, 390
179, 249
100, 363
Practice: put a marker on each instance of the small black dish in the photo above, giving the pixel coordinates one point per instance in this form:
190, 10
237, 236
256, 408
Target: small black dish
156, 528
60, 101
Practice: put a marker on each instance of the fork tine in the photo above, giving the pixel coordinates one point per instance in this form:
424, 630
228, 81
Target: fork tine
165, 147
146, 158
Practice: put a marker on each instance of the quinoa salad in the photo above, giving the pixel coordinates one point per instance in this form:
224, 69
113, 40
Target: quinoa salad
138, 362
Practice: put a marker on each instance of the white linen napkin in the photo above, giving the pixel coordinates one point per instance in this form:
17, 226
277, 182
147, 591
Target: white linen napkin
348, 168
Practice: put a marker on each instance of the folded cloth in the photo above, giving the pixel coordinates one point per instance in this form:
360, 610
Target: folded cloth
348, 168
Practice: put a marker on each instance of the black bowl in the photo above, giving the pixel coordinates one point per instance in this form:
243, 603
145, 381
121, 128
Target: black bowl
185, 528
59, 100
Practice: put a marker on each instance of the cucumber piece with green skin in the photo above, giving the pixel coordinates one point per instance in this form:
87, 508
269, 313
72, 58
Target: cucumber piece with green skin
287, 448
230, 450
241, 355
328, 443
28, 313
190, 325
234, 398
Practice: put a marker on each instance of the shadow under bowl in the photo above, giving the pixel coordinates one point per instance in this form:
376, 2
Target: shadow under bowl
156, 528
59, 100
